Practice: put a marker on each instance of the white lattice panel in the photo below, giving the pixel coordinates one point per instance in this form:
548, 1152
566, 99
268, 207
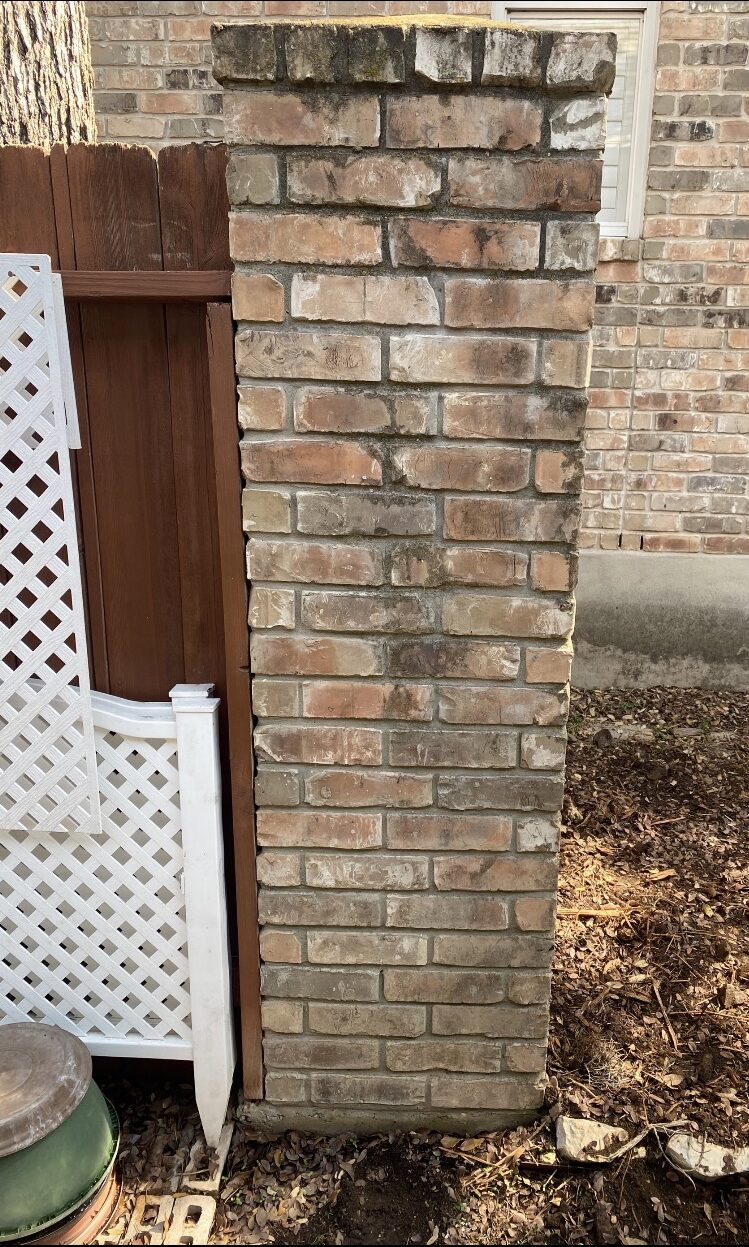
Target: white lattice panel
93, 928
47, 748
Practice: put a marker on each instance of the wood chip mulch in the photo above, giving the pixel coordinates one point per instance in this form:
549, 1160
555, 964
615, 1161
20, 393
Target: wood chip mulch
650, 1026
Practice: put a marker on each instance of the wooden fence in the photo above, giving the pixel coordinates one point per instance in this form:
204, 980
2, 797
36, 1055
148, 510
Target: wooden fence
142, 244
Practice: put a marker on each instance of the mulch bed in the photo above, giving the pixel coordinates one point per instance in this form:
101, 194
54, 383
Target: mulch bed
650, 1025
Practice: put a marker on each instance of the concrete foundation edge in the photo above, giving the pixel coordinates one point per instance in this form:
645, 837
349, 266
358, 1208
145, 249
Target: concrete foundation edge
679, 620
273, 1119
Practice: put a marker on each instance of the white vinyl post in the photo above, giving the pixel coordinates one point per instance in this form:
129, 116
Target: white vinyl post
196, 714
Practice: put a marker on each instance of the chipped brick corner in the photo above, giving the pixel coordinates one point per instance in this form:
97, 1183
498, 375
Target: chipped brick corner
414, 243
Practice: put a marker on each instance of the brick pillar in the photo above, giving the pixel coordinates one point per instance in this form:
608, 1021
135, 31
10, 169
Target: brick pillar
414, 243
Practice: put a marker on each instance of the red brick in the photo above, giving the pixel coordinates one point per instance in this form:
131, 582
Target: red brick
552, 570
257, 296
419, 747
502, 705
366, 612
280, 946
495, 519
308, 562
467, 873
387, 871
339, 411
476, 360
314, 830
381, 948
310, 909
487, 832
303, 238
547, 666
483, 614
353, 789
464, 243
500, 792
345, 699
446, 986
501, 304
279, 870
565, 362
308, 355
462, 121
261, 407
349, 746
318, 463
525, 184
375, 180
558, 472
313, 118
533, 913
431, 566
460, 913
347, 514
453, 467
374, 300
315, 656
512, 415
444, 657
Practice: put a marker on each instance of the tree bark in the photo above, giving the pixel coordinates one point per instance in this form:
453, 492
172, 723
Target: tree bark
46, 81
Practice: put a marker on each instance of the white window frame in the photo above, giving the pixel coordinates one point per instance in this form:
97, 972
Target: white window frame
643, 107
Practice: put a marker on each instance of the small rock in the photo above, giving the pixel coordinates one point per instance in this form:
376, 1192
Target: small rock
707, 1161
583, 1140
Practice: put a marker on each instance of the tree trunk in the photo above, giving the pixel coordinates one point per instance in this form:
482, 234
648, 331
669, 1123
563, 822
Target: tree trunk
46, 82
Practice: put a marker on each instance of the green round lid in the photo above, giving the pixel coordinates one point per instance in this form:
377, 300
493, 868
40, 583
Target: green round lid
44, 1075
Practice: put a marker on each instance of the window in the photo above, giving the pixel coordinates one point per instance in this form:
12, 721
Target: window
625, 158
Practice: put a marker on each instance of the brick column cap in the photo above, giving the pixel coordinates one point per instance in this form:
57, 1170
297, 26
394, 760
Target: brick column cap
414, 50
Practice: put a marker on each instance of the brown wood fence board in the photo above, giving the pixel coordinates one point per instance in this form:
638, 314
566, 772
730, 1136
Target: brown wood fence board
27, 216
194, 207
115, 205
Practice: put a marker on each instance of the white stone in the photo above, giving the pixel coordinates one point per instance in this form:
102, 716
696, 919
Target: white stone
707, 1161
583, 1140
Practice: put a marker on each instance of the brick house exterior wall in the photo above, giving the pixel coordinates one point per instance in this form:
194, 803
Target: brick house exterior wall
667, 443
414, 244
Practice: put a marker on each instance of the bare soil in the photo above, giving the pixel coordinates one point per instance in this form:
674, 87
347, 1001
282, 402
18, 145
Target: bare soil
650, 1025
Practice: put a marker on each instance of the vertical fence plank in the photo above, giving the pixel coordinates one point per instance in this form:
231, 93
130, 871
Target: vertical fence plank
220, 330
27, 216
115, 212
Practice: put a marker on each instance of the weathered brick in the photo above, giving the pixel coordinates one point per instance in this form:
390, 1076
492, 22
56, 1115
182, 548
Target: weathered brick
540, 751
304, 353
525, 1058
483, 1093
558, 417
496, 951
281, 946
431, 566
375, 300
271, 608
279, 870
244, 53
310, 983
380, 948
558, 472
444, 54
261, 407
571, 244
366, 612
584, 61
529, 989
477, 360
446, 986
471, 1058
419, 747
494, 519
462, 121
275, 699
578, 125
472, 468
274, 787
369, 180
467, 873
565, 362
265, 510
257, 296
307, 1052
512, 57
387, 871
532, 913
348, 746
525, 183
503, 304
442, 656
252, 178
537, 833
287, 118
345, 699
483, 614
300, 238
313, 909
340, 411
318, 463
376, 53
419, 242
286, 1088
315, 656
363, 788
467, 704
494, 1021
384, 1089
552, 570
386, 1020
490, 833
548, 666
309, 562
460, 913
286, 1017
503, 792
348, 514
305, 830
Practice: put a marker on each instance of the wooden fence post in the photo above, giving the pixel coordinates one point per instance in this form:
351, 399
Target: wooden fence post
214, 1056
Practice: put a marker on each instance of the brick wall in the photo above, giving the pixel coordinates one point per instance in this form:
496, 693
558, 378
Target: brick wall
668, 429
667, 446
414, 294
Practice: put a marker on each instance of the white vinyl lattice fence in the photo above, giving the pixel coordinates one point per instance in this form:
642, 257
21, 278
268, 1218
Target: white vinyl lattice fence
112, 896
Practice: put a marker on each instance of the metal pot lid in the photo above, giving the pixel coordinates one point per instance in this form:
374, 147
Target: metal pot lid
44, 1075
